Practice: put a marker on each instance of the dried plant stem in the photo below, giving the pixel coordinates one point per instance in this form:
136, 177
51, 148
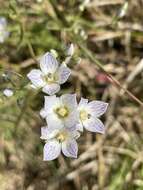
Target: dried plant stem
105, 2
112, 79
31, 51
138, 69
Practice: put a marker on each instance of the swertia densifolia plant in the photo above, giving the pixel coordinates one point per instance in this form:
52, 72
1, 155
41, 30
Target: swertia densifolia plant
65, 117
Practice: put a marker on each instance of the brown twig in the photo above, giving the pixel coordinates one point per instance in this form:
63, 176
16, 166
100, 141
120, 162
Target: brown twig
112, 79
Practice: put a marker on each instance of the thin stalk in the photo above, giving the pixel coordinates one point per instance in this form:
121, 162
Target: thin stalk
112, 79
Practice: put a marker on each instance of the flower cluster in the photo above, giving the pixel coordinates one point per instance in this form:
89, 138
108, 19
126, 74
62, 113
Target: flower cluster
65, 117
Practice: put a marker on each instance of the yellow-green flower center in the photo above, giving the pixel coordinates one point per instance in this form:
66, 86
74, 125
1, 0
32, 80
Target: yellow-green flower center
61, 136
62, 112
84, 115
50, 78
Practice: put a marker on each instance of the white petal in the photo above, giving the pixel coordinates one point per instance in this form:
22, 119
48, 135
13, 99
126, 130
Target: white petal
52, 150
72, 119
70, 148
79, 127
75, 134
54, 122
44, 132
36, 78
51, 89
63, 73
94, 125
48, 63
72, 132
71, 129
43, 113
47, 133
97, 108
83, 102
51, 102
69, 100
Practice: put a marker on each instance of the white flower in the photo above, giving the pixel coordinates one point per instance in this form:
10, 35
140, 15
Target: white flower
8, 92
59, 140
51, 75
89, 113
3, 29
60, 111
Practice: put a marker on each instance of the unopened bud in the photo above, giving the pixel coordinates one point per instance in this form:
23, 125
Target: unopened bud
70, 50
54, 53
123, 10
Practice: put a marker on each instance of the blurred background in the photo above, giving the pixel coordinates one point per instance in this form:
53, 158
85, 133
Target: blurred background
107, 35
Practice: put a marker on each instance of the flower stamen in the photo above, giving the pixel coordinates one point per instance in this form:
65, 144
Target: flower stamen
84, 115
49, 78
62, 112
61, 137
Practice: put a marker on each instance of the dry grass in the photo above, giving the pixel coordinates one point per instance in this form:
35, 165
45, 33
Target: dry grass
106, 162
